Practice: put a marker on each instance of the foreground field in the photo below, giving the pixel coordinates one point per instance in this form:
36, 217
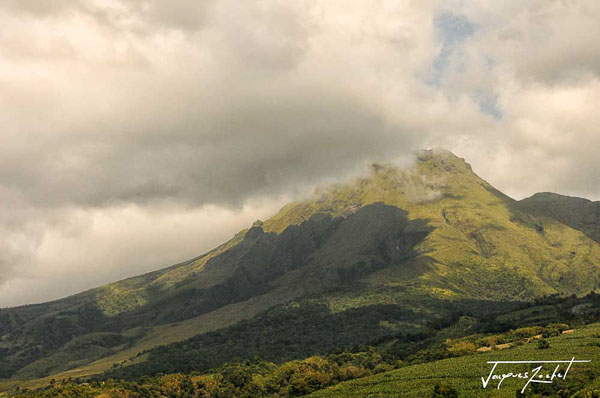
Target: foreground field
464, 373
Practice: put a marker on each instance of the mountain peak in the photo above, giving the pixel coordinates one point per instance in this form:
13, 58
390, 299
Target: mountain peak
436, 173
443, 158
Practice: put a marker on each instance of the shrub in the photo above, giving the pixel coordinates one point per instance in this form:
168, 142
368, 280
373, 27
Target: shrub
543, 344
444, 391
462, 347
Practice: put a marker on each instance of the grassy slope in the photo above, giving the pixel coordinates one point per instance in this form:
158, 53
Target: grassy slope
464, 373
581, 214
131, 293
481, 245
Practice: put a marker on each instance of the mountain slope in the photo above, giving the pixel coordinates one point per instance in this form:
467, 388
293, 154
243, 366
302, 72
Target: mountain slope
578, 213
412, 248
480, 237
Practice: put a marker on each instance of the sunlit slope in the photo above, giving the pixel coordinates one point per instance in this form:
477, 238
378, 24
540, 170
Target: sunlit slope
481, 244
578, 213
464, 373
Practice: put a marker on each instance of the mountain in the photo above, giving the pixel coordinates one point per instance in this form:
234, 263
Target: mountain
402, 252
578, 213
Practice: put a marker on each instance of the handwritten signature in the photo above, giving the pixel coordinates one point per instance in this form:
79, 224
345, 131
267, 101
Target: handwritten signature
536, 375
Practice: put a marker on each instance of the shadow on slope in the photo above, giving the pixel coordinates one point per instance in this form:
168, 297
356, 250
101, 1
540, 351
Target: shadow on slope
317, 255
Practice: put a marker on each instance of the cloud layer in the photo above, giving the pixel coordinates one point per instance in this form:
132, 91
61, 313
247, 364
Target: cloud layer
125, 121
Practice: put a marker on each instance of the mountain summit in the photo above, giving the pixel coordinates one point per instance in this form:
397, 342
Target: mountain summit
401, 251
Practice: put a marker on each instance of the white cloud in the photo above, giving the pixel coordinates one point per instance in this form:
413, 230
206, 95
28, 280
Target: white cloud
538, 60
92, 245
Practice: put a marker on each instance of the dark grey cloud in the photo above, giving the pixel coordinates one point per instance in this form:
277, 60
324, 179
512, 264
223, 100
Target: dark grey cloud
265, 148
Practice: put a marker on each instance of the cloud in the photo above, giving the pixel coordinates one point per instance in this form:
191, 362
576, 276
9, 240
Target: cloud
91, 245
167, 111
545, 41
535, 67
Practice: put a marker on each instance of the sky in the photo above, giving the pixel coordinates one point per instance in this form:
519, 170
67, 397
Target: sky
135, 134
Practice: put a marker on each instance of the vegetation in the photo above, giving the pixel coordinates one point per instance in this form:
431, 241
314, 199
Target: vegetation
444, 391
543, 344
464, 373
438, 369
304, 329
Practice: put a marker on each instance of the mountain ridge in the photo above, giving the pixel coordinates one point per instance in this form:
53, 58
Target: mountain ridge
579, 213
433, 235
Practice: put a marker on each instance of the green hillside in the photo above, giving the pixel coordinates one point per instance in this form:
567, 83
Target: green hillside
464, 373
401, 252
578, 213
448, 364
